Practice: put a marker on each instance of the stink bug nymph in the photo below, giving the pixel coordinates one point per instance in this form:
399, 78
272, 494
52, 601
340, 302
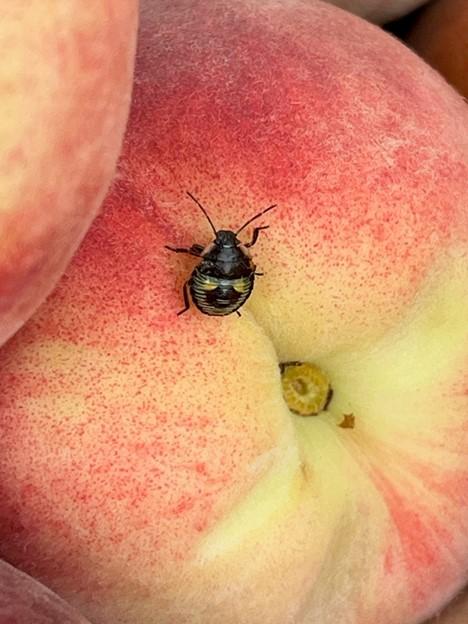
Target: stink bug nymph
222, 282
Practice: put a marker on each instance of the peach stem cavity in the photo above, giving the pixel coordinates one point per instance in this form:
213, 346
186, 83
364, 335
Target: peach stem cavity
306, 388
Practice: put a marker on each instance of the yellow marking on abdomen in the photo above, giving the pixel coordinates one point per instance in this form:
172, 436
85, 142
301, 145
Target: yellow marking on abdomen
207, 284
242, 285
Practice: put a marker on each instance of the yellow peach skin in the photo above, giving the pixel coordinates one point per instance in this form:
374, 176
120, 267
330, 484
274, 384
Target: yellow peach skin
150, 468
65, 81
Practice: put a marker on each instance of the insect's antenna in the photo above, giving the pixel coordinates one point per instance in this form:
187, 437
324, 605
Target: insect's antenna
203, 210
255, 217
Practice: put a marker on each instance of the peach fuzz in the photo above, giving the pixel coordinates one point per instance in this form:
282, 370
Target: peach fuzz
25, 601
65, 82
379, 11
440, 36
150, 468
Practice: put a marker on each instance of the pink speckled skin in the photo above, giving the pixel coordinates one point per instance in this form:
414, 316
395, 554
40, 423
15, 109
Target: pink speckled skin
65, 81
150, 471
25, 601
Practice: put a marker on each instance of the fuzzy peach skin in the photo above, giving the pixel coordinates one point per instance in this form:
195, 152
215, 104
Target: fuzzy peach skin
440, 36
65, 81
379, 11
25, 601
150, 469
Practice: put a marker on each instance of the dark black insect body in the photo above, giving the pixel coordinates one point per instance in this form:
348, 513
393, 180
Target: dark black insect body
224, 279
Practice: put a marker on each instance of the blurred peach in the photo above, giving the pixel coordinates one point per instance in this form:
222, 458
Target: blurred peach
379, 11
440, 36
25, 601
65, 83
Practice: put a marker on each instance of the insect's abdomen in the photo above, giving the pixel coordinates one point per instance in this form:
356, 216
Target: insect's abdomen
218, 296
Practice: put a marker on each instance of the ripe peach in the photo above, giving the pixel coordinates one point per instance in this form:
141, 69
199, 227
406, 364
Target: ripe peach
440, 36
379, 11
150, 468
25, 601
65, 79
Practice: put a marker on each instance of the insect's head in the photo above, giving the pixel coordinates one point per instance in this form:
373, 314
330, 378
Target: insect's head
226, 238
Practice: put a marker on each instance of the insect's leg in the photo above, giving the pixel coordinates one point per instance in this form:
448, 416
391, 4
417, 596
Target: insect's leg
194, 250
256, 232
259, 274
238, 313
186, 300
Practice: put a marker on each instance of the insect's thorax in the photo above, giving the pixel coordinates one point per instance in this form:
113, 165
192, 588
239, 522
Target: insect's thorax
223, 261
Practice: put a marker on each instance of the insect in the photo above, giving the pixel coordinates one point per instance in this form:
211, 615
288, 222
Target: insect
222, 282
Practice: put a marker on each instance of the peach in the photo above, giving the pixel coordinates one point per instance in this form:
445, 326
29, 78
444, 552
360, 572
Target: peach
25, 601
151, 470
456, 613
440, 36
65, 80
379, 11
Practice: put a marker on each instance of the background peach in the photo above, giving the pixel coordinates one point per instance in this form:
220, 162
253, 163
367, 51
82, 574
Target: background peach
65, 78
379, 11
440, 36
25, 601
150, 469
455, 613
